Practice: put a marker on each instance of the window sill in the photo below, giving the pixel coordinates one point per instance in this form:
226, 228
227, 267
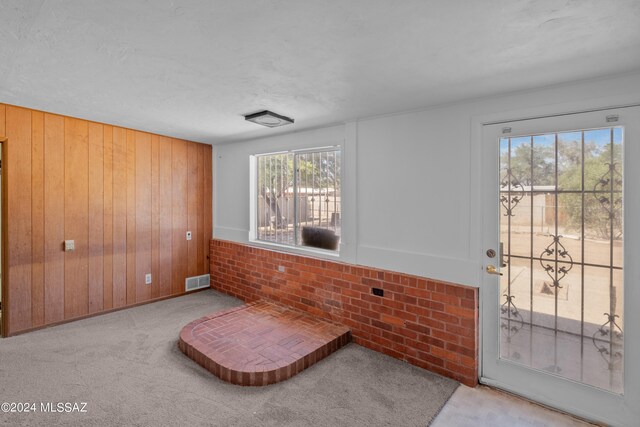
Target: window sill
296, 250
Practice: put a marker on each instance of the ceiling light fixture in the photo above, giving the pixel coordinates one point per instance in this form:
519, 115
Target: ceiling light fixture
268, 119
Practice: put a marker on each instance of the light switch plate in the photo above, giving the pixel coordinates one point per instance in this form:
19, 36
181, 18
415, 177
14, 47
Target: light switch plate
147, 279
69, 245
188, 235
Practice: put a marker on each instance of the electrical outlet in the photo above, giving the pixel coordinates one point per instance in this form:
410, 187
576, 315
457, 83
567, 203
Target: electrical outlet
188, 235
377, 292
281, 268
147, 279
69, 245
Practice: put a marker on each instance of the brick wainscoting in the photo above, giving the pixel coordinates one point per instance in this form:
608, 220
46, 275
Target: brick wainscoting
428, 323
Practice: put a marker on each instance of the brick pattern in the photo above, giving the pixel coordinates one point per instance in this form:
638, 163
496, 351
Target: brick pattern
428, 323
260, 343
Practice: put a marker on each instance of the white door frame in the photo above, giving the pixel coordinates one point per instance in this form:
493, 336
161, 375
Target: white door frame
564, 394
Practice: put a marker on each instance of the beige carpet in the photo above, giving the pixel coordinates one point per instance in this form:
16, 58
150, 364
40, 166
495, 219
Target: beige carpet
126, 366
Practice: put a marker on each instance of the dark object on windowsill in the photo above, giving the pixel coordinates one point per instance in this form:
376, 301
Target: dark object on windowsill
320, 238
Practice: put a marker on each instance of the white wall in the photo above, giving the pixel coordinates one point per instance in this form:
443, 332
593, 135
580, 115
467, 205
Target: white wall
425, 161
231, 176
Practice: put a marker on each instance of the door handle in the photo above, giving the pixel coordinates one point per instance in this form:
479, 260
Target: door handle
491, 269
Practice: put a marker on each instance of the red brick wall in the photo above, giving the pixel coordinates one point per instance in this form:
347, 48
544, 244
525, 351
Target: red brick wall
428, 323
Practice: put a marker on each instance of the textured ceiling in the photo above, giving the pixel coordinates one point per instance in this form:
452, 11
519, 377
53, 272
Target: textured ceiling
193, 68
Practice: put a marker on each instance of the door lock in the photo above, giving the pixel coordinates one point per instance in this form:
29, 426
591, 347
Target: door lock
491, 269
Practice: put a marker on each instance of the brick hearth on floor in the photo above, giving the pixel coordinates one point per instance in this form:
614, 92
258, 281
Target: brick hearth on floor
428, 323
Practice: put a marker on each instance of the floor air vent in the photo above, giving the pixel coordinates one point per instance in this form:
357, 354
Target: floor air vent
196, 282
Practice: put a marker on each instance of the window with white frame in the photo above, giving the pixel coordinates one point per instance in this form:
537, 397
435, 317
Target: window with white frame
298, 198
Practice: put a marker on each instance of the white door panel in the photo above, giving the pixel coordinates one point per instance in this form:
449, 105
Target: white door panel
561, 198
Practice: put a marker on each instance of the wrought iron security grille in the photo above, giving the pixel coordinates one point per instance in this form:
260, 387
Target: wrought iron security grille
561, 225
298, 190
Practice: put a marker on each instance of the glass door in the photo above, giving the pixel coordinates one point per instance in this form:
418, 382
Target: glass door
556, 198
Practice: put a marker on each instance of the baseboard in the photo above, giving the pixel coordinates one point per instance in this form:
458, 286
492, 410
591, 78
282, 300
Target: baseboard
100, 313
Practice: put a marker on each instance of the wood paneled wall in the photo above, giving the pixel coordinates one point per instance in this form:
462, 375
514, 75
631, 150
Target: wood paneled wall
126, 197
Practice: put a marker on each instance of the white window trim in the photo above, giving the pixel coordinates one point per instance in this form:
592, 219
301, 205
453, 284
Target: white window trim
253, 207
298, 250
